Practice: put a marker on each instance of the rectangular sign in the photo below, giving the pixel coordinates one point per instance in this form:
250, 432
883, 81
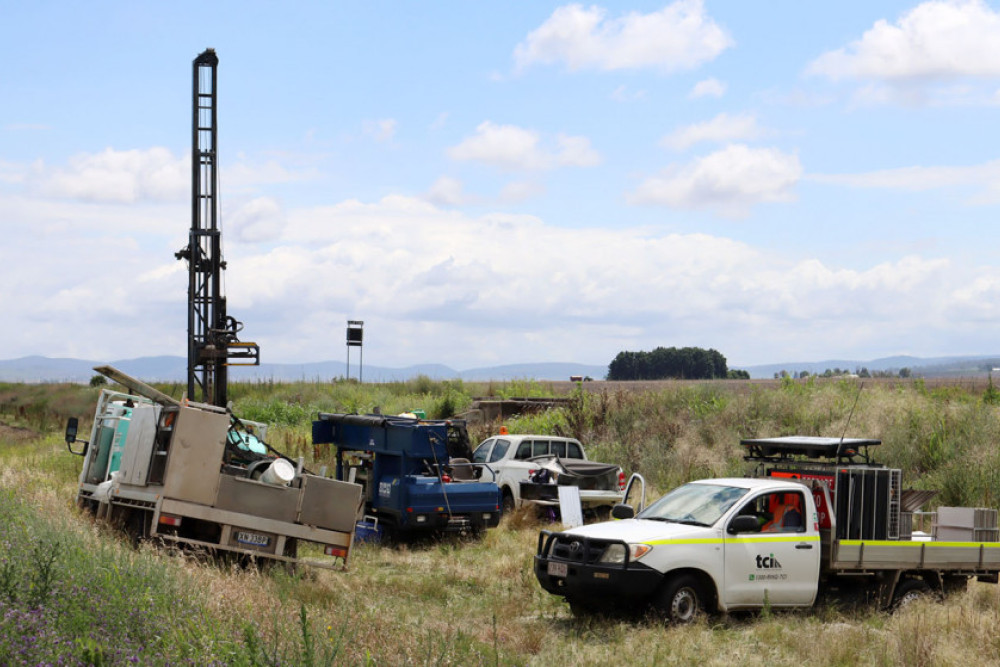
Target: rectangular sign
570, 508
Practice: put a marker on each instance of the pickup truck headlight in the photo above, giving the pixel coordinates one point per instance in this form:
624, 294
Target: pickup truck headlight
615, 553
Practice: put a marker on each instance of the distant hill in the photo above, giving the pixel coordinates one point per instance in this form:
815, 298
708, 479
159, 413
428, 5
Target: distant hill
174, 369
958, 366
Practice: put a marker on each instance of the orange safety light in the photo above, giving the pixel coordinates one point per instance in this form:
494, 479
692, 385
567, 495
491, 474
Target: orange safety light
336, 552
503, 430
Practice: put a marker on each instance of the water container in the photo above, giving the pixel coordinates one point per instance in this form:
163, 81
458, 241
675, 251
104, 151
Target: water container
279, 473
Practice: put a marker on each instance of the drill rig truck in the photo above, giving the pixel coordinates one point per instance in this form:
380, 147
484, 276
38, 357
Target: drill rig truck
190, 472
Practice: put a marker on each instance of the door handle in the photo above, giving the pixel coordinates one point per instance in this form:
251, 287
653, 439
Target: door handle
803, 546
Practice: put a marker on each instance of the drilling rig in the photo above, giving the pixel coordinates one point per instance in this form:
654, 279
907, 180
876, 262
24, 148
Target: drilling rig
212, 334
190, 473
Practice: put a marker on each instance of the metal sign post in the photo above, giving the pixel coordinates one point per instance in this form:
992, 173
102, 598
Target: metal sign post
355, 337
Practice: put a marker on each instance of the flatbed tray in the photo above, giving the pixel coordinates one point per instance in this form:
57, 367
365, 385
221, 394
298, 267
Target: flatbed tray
805, 445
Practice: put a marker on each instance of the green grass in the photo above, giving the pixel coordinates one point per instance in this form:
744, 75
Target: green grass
75, 591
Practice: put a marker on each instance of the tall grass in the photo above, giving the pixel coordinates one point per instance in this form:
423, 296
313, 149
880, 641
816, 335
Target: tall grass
72, 591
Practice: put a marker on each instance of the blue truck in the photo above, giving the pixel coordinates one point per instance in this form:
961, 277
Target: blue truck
416, 473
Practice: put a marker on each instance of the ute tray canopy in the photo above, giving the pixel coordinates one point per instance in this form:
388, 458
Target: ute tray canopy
812, 447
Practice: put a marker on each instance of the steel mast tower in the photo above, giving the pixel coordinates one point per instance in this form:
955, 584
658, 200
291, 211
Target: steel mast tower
212, 334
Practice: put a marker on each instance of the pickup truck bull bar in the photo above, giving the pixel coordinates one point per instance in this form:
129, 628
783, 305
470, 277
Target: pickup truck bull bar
580, 550
571, 566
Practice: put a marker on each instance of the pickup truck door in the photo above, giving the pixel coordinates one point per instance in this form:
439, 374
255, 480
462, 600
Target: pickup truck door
782, 564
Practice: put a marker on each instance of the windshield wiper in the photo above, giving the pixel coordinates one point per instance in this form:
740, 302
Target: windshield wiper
656, 518
692, 522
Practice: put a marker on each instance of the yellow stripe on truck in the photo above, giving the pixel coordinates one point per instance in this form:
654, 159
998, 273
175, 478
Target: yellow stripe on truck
768, 539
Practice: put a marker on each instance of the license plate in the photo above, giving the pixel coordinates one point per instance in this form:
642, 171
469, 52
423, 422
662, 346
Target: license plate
253, 539
558, 569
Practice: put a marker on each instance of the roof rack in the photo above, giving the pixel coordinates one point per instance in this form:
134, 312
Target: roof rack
792, 448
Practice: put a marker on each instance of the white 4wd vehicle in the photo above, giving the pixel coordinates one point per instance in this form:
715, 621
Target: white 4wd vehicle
703, 546
519, 461
820, 517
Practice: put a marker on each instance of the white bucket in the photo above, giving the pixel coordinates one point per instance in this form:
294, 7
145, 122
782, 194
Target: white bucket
279, 473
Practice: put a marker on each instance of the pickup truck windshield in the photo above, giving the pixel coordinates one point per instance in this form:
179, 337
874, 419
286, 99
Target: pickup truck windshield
694, 504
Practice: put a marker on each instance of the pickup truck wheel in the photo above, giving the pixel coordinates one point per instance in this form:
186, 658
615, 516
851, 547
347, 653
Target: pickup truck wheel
910, 591
581, 608
680, 600
602, 513
507, 505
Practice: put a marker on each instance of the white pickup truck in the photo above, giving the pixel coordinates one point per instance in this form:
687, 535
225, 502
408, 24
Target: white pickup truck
520, 461
777, 540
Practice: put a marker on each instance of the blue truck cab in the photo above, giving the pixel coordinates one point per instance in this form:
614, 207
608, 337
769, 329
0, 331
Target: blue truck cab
416, 473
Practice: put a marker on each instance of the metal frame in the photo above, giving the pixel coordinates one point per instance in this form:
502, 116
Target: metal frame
212, 334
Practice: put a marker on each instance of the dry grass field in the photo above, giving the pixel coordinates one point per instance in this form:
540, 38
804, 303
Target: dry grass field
72, 592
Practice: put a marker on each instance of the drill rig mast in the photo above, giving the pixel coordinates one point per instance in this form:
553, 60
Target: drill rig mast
212, 334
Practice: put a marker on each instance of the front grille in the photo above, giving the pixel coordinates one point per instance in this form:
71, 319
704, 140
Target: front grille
577, 549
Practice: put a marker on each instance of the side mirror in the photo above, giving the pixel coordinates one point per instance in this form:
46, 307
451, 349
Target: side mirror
622, 512
72, 426
744, 524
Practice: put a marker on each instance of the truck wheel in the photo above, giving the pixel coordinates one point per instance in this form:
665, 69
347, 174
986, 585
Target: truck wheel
909, 591
680, 600
602, 513
581, 608
136, 526
954, 585
507, 502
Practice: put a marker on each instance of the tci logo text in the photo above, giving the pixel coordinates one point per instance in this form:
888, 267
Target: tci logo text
767, 562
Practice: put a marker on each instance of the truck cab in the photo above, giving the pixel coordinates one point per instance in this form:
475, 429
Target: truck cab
719, 544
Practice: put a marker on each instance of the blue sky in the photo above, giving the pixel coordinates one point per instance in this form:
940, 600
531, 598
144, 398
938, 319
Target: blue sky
486, 184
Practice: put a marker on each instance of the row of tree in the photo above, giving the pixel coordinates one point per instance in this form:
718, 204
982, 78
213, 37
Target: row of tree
858, 372
688, 363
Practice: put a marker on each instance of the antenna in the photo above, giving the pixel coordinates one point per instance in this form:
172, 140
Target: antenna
850, 415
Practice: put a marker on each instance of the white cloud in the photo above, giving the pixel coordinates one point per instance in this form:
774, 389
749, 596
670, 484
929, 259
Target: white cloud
121, 176
457, 284
513, 147
12, 172
436, 285
984, 176
730, 181
382, 130
933, 40
708, 88
446, 191
258, 220
575, 152
248, 174
679, 36
723, 128
520, 191
133, 176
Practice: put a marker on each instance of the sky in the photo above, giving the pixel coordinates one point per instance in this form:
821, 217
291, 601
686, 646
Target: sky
498, 183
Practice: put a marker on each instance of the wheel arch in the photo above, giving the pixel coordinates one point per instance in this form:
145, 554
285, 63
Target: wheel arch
707, 584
